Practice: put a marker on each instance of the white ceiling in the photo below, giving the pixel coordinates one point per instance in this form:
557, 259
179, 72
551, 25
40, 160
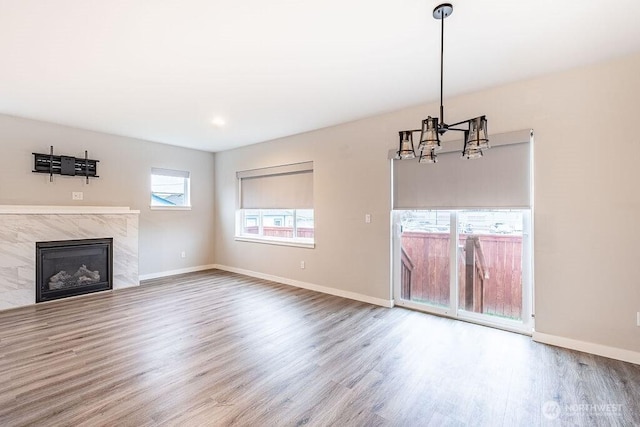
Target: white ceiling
161, 70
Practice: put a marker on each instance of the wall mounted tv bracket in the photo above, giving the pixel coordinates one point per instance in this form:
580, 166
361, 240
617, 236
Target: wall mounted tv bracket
65, 165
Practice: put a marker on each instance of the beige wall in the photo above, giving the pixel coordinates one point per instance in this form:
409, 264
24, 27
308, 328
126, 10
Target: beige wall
351, 178
124, 168
587, 275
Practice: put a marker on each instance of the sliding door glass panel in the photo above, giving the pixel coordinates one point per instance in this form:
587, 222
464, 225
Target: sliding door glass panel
490, 248
425, 259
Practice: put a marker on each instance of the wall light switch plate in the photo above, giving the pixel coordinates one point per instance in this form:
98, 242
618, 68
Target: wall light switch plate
302, 264
77, 195
367, 218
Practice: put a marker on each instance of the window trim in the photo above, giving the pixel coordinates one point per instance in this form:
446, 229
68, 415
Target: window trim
170, 208
275, 241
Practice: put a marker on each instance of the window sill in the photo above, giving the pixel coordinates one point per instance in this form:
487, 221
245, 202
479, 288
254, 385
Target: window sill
294, 243
170, 208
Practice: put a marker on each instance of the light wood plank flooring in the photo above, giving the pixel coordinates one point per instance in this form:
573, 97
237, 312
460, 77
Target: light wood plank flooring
215, 348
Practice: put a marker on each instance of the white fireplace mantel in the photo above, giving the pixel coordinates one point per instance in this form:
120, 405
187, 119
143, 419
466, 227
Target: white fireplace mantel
64, 210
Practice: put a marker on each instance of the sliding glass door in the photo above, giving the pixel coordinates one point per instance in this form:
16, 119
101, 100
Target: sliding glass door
462, 245
469, 264
462, 233
425, 247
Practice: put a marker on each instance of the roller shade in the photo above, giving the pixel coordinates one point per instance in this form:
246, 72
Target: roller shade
278, 187
500, 179
169, 172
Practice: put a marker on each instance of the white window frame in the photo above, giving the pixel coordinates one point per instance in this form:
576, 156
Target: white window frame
271, 240
186, 175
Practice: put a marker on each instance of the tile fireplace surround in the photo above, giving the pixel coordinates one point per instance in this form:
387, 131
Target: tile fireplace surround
22, 226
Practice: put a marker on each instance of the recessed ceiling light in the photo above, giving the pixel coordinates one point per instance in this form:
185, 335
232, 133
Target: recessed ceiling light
218, 122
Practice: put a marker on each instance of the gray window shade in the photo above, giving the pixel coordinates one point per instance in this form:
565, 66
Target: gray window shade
500, 179
279, 187
169, 172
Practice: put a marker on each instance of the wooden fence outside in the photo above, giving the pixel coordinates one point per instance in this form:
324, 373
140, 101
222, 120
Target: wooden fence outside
429, 254
499, 281
284, 232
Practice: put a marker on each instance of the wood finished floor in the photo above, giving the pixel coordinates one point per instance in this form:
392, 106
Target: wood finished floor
215, 348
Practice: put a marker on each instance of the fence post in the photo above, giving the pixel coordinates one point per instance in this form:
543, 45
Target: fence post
475, 274
469, 273
407, 268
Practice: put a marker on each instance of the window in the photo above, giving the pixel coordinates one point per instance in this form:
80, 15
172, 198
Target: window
278, 225
276, 205
169, 189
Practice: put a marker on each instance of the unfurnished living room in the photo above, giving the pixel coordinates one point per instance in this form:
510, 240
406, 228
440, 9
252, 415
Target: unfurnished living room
354, 213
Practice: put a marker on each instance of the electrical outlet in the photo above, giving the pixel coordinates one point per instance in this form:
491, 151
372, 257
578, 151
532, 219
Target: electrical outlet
183, 254
77, 195
302, 264
367, 218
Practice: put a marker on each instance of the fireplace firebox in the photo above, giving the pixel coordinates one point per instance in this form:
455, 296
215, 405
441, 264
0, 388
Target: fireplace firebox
73, 267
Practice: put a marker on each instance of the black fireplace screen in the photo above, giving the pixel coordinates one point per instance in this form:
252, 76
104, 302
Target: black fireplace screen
73, 267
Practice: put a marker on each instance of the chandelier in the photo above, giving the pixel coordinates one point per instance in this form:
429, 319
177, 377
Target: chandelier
475, 130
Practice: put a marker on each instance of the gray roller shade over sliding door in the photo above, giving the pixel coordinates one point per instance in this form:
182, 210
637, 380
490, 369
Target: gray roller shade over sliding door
500, 179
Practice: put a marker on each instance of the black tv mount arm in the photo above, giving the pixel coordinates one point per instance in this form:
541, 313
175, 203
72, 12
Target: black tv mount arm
65, 165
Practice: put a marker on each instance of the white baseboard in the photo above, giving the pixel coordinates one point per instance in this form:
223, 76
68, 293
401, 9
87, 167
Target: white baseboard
174, 272
310, 286
588, 347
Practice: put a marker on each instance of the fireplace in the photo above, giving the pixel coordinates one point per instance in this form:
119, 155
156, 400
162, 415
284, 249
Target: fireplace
73, 267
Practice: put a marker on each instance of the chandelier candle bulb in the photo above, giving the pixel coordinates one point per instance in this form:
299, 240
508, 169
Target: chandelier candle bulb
429, 137
406, 150
428, 156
